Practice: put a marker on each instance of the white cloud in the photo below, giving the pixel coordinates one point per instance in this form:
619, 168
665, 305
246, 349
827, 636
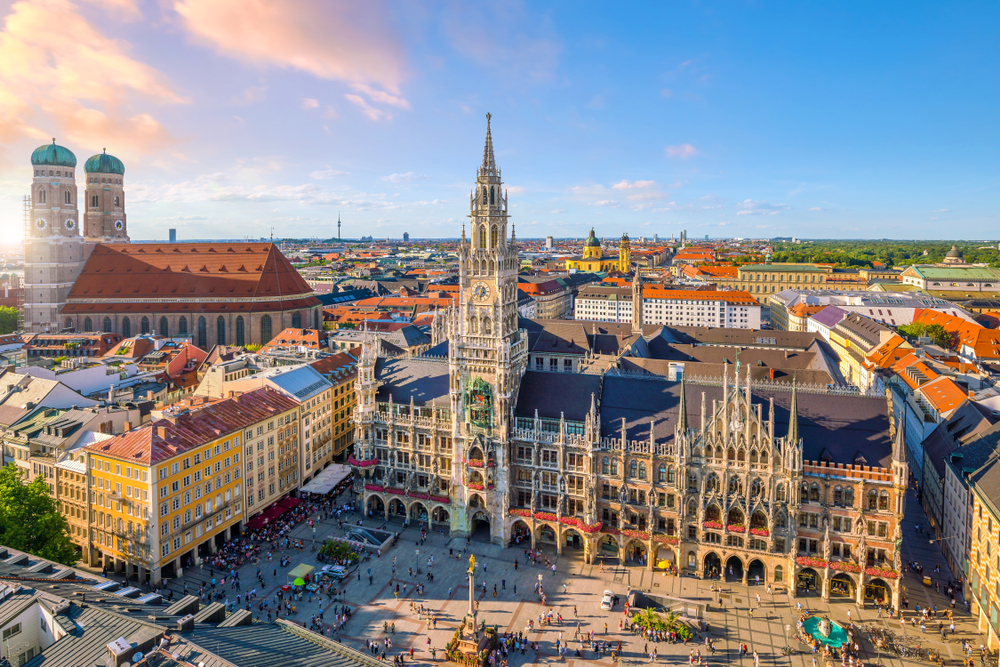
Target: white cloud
557, 211
751, 207
816, 208
514, 190
942, 210
642, 196
370, 111
408, 177
309, 103
626, 185
682, 151
610, 203
324, 174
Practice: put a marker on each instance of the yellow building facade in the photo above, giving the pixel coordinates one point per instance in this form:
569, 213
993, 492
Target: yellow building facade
593, 261
168, 494
984, 559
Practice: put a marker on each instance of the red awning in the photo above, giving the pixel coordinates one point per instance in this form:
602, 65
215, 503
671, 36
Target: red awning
289, 503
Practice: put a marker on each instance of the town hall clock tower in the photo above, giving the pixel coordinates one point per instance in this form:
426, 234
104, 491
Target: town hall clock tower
487, 352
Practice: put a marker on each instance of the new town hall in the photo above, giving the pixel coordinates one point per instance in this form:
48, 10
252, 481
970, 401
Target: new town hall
728, 474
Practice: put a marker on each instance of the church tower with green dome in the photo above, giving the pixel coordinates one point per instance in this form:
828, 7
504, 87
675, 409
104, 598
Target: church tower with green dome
54, 251
104, 220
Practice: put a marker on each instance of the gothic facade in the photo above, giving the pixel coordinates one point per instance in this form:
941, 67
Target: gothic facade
798, 486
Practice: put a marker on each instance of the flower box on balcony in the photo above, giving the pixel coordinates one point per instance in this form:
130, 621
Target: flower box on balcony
476, 463
807, 561
361, 463
397, 492
761, 532
879, 572
736, 528
475, 486
666, 539
373, 487
441, 499
519, 511
712, 524
844, 566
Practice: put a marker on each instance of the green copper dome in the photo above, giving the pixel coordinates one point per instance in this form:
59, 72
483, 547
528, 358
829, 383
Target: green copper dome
53, 155
592, 239
102, 163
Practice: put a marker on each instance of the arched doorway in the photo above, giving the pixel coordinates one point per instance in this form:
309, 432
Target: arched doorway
396, 508
573, 539
440, 515
480, 528
807, 581
520, 533
375, 507
713, 566
666, 559
418, 513
635, 552
547, 534
877, 590
734, 569
841, 585
756, 572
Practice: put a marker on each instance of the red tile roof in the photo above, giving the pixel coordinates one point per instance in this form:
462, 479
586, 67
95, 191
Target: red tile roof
244, 277
168, 437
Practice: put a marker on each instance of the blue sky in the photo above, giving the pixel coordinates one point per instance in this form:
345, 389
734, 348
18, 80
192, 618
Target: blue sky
729, 119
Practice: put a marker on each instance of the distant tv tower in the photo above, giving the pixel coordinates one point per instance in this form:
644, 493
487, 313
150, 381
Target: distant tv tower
338, 225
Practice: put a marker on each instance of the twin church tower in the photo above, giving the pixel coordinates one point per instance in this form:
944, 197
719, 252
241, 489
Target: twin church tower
54, 248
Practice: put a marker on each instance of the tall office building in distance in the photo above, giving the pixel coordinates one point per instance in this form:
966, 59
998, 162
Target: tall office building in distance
406, 237
172, 235
549, 242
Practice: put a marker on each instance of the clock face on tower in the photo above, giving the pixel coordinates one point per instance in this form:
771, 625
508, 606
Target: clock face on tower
40, 223
119, 225
481, 291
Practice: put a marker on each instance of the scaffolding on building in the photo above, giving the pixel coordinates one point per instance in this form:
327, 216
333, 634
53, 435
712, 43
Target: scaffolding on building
26, 235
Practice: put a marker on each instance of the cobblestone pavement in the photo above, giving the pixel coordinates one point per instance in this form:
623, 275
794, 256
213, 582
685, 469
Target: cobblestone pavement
516, 603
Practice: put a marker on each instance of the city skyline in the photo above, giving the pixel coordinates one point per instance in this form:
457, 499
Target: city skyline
765, 121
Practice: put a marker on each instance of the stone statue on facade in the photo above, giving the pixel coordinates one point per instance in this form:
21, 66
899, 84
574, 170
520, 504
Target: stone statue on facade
827, 539
623, 494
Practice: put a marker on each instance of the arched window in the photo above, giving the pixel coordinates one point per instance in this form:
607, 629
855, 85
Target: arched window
297, 320
182, 326
118, 201
778, 574
872, 499
164, 327
87, 324
126, 328
781, 521
838, 495
107, 328
756, 488
814, 492
41, 196
93, 201
241, 338
68, 200
487, 325
604, 466
642, 471
849, 497
494, 237
712, 485
614, 467
202, 333
69, 323
484, 195
883, 500
670, 475
482, 236
661, 475
220, 331
491, 197
803, 493
265, 330
633, 470
473, 324
779, 493
144, 325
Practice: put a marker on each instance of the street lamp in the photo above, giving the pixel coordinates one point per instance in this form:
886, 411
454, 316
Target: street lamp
947, 537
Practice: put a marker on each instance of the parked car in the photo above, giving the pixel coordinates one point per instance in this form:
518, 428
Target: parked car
608, 601
334, 571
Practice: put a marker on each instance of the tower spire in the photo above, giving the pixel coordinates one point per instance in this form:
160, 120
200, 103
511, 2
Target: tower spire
489, 162
682, 416
793, 416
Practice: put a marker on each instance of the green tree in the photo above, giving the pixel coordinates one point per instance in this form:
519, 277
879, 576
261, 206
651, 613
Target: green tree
8, 319
937, 333
30, 520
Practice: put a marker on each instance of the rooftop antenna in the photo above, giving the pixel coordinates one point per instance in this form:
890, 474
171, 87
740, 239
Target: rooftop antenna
338, 226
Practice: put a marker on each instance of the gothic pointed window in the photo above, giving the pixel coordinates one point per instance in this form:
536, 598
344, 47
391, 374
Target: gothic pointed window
633, 470
487, 326
144, 325
118, 201
164, 327
41, 196
93, 201
484, 195
491, 197
87, 324
604, 466
220, 331
297, 320
240, 331
69, 323
126, 327
182, 326
68, 200
202, 333
494, 237
107, 328
482, 236
265, 330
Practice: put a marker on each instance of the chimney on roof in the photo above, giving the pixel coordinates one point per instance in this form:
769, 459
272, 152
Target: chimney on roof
127, 427
161, 432
149, 395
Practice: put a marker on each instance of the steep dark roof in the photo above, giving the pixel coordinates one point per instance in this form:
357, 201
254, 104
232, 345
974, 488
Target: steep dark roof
970, 420
987, 482
424, 380
555, 393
